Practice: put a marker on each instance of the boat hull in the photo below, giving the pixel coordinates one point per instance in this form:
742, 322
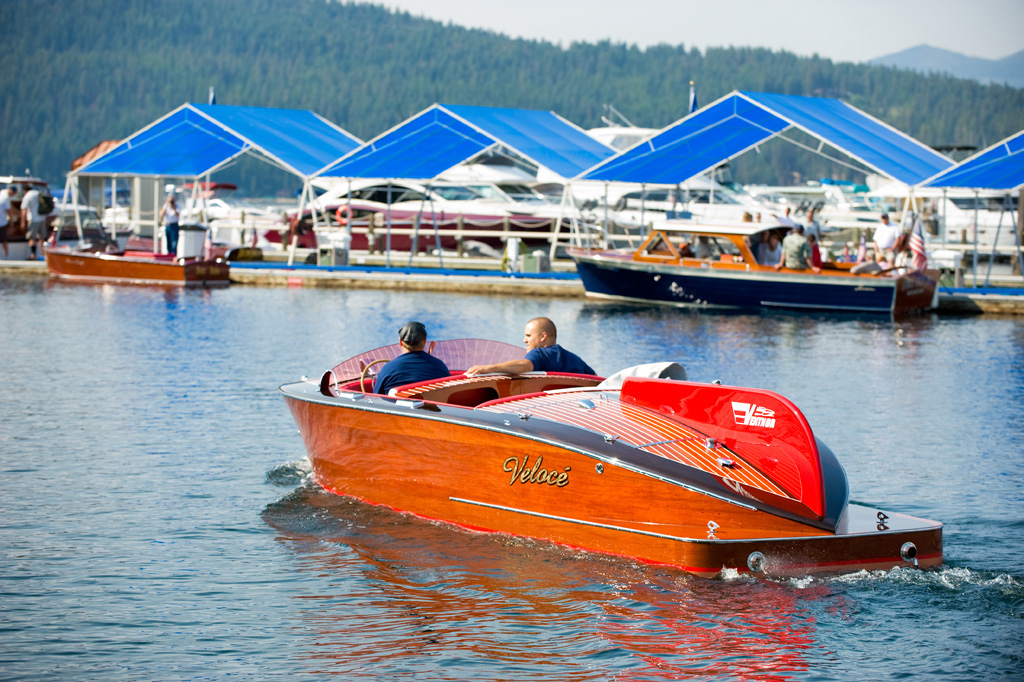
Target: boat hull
670, 284
499, 473
97, 267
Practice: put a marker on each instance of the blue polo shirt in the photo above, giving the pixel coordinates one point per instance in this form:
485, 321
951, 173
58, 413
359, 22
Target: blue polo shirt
557, 359
408, 368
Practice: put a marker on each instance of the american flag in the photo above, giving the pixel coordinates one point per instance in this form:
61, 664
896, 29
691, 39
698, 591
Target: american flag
862, 250
917, 247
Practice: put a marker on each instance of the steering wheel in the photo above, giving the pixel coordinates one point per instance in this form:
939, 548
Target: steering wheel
362, 376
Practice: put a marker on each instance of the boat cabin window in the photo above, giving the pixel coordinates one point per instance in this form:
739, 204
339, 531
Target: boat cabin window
983, 203
703, 196
455, 193
379, 194
706, 246
659, 245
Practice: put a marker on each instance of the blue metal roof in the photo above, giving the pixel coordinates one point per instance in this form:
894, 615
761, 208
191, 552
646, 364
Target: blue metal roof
195, 139
694, 145
742, 120
445, 135
1001, 166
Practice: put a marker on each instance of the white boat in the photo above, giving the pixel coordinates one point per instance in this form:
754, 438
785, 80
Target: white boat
233, 221
408, 211
960, 217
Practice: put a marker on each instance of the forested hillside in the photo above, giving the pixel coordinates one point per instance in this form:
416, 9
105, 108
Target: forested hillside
75, 72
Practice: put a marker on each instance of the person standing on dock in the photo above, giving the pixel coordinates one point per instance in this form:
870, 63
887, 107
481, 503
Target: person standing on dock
169, 215
543, 354
33, 220
5, 208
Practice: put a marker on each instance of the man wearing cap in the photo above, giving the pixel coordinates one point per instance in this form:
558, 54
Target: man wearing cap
413, 364
543, 354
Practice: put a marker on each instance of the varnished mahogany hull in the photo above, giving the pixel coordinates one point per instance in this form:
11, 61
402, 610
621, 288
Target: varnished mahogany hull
468, 469
97, 267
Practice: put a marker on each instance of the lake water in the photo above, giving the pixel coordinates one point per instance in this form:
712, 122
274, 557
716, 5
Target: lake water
157, 521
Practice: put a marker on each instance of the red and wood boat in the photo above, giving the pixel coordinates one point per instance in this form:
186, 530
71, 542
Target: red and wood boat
135, 267
705, 477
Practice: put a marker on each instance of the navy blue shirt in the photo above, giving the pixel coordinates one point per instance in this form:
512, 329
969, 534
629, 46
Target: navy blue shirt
408, 368
557, 359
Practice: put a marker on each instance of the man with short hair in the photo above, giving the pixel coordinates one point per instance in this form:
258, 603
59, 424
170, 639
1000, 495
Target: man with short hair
812, 226
34, 222
796, 252
413, 364
885, 238
543, 354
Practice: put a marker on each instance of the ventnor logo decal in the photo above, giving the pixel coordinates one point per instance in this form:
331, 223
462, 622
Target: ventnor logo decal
749, 414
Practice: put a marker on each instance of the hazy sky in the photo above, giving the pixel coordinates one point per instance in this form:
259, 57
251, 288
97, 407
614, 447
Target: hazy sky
852, 30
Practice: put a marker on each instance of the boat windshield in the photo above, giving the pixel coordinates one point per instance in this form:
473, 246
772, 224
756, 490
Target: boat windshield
455, 192
705, 246
457, 354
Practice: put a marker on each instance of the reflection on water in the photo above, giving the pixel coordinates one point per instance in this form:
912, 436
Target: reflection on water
404, 590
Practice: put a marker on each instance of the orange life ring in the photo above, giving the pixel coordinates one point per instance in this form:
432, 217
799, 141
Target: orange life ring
342, 214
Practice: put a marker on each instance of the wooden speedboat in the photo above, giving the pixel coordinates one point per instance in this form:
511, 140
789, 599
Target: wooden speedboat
135, 267
664, 270
700, 476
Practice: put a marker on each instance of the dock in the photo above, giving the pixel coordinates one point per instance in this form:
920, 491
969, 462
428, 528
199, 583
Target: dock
453, 280
482, 276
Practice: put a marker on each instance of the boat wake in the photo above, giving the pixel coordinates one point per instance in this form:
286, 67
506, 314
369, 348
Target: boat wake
291, 473
948, 578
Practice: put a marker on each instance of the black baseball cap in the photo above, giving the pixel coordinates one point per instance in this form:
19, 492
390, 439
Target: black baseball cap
413, 333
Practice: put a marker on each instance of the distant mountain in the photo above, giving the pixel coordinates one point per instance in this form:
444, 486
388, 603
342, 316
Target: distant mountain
928, 59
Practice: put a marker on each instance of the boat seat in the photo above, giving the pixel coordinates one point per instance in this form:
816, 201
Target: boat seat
475, 390
458, 390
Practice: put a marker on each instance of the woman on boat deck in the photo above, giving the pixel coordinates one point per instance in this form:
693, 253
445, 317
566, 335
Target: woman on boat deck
413, 364
543, 354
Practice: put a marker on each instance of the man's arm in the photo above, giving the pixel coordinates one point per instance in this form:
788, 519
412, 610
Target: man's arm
510, 367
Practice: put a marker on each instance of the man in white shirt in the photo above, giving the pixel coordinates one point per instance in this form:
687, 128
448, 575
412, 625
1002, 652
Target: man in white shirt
885, 238
5, 207
34, 222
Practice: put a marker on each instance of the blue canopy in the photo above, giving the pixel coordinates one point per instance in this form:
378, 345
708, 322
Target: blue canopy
742, 120
445, 135
195, 139
1001, 166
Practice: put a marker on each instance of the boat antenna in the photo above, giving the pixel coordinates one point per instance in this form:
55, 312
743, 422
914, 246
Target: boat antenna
612, 111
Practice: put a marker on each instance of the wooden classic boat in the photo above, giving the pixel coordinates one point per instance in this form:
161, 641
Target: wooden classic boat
135, 267
665, 270
705, 477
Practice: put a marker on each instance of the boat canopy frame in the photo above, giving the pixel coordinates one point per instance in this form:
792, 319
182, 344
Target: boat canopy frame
195, 140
